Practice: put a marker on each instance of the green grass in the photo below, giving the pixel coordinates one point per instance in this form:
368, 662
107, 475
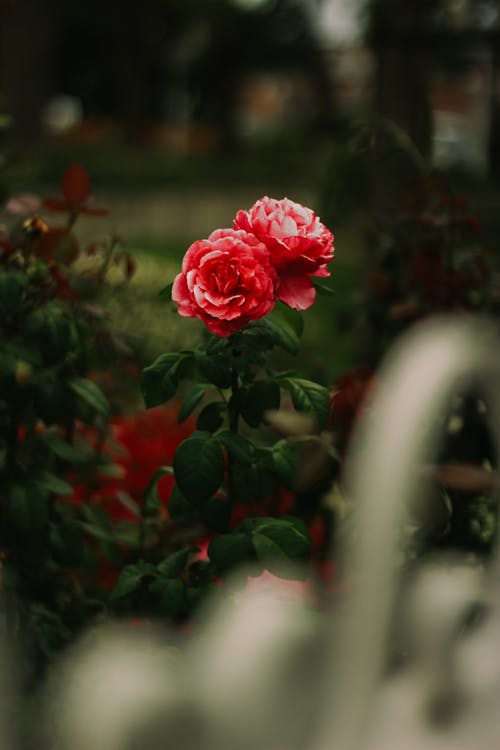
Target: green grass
117, 166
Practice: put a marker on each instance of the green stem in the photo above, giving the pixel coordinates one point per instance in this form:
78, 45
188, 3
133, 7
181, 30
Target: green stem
234, 414
233, 426
73, 216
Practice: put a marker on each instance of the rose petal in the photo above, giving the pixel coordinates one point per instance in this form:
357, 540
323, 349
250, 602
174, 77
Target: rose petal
296, 291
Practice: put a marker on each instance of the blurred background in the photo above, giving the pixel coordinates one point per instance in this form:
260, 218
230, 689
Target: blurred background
184, 111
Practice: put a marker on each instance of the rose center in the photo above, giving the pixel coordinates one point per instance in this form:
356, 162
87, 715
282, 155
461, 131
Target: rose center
224, 277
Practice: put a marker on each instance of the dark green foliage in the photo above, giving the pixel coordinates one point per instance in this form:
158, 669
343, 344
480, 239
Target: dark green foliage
47, 348
308, 397
199, 466
277, 544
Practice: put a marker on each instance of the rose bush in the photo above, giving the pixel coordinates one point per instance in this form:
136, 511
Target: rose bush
239, 492
300, 246
227, 280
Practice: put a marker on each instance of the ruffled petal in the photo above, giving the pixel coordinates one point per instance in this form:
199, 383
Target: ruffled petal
296, 292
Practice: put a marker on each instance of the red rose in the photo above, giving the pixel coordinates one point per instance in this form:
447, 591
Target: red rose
299, 244
227, 281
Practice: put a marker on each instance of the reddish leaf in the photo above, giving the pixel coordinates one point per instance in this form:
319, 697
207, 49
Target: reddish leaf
75, 185
56, 204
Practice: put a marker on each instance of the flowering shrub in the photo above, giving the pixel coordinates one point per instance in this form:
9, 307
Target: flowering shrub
139, 515
53, 418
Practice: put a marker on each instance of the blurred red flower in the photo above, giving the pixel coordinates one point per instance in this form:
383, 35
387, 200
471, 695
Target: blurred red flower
138, 446
349, 392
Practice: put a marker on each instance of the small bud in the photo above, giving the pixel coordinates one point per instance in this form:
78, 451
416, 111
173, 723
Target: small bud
35, 227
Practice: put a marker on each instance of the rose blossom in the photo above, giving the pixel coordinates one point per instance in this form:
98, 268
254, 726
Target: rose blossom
299, 244
227, 280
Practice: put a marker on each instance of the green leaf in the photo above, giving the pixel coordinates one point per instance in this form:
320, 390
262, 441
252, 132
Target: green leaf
253, 481
166, 292
214, 367
298, 524
201, 573
20, 349
259, 397
131, 578
323, 288
216, 513
196, 595
49, 631
12, 285
280, 546
62, 449
51, 328
97, 532
28, 511
284, 457
212, 416
125, 533
309, 397
238, 447
180, 510
51, 483
292, 317
66, 544
128, 502
175, 563
97, 524
90, 394
160, 379
151, 502
50, 400
199, 466
229, 550
96, 515
191, 401
278, 332
169, 594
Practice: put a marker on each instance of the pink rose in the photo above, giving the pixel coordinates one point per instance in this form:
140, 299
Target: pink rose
227, 281
300, 245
